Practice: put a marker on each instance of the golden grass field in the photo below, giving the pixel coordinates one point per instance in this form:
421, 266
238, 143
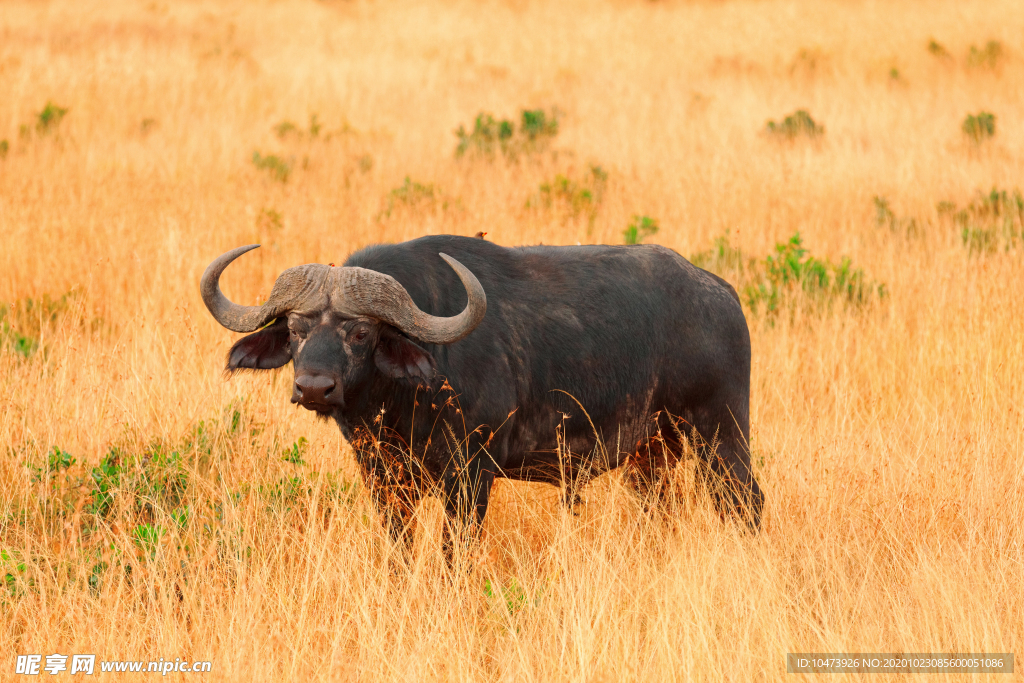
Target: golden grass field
887, 436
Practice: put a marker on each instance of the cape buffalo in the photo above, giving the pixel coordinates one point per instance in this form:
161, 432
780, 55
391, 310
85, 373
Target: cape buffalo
448, 361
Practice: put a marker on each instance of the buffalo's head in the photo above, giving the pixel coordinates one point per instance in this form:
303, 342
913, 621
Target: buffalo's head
340, 326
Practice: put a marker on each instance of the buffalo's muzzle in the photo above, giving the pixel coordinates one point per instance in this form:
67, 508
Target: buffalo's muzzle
316, 392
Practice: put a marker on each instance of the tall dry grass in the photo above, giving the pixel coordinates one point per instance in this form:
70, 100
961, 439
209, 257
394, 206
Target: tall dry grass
887, 437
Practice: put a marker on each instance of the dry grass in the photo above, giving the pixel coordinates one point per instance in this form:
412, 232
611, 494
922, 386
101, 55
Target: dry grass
887, 436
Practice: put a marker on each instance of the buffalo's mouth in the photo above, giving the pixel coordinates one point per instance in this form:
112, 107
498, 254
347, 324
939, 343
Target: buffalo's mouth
321, 409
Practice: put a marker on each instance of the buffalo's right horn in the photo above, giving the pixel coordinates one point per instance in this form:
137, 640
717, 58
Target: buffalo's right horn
293, 286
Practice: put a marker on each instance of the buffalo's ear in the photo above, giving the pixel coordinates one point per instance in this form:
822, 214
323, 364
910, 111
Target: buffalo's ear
399, 357
262, 350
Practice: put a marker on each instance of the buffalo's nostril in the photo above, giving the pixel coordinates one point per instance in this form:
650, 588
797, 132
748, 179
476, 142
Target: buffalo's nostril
312, 389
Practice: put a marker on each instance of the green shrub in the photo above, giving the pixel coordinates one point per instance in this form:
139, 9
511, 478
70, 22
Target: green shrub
412, 192
21, 344
574, 197
937, 49
23, 322
56, 461
791, 269
269, 220
15, 572
278, 168
147, 538
167, 494
884, 215
415, 196
979, 127
511, 598
536, 124
721, 258
106, 478
158, 482
293, 454
290, 129
490, 135
789, 278
639, 228
4, 148
990, 223
987, 57
286, 493
286, 128
49, 118
156, 477
797, 124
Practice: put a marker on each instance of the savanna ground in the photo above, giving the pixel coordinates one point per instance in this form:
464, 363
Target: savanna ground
150, 508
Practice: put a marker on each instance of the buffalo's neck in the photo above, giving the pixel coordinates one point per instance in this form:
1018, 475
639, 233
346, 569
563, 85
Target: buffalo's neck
393, 413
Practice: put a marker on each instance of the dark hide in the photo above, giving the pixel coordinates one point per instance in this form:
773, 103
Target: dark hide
648, 344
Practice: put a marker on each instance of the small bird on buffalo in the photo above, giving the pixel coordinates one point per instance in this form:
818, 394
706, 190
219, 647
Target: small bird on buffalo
480, 235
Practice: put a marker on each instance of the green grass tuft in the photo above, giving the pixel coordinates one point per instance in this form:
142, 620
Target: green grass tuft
49, 118
979, 127
278, 168
992, 222
639, 229
490, 135
988, 57
790, 278
797, 124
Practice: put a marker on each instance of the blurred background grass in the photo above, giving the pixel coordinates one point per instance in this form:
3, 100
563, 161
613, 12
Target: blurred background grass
152, 509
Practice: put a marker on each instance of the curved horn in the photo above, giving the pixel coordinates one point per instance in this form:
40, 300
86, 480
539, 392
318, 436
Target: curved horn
233, 316
367, 292
292, 287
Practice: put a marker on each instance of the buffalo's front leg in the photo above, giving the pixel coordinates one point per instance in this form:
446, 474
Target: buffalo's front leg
467, 490
393, 488
396, 502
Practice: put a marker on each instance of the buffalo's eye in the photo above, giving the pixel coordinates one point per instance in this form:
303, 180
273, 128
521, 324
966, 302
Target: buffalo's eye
359, 335
296, 335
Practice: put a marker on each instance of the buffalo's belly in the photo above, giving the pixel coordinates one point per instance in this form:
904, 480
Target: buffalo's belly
549, 468
554, 446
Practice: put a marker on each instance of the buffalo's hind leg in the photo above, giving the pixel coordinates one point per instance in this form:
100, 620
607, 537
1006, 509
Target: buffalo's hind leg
724, 469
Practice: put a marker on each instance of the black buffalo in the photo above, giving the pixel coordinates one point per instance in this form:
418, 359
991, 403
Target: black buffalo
550, 364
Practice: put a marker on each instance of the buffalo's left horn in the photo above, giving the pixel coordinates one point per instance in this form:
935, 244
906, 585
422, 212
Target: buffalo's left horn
367, 292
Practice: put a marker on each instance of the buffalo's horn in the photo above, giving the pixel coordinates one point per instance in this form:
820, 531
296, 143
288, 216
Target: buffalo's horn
292, 287
367, 292
357, 291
